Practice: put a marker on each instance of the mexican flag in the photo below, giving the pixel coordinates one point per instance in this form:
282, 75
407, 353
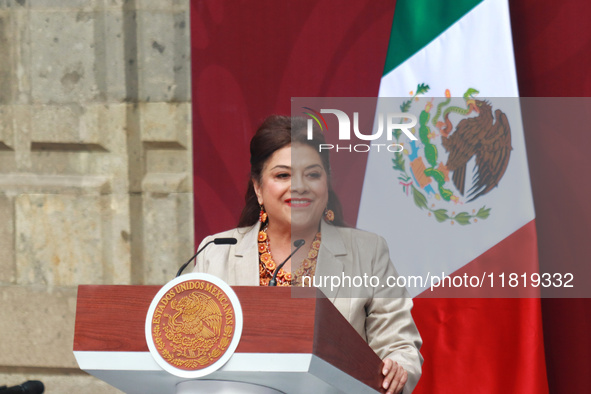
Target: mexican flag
458, 197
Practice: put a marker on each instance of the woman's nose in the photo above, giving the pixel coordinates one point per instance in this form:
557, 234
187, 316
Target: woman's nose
298, 184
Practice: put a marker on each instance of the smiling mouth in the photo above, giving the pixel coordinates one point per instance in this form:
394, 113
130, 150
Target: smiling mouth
298, 203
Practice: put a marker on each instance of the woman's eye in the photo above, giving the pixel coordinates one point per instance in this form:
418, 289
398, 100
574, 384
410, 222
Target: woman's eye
314, 175
283, 175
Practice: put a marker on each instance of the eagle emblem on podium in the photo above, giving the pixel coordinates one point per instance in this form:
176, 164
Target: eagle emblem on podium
194, 324
195, 327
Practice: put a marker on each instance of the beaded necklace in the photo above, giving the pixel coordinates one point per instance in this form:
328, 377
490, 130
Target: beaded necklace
267, 266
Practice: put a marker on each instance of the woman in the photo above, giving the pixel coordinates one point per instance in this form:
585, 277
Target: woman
290, 197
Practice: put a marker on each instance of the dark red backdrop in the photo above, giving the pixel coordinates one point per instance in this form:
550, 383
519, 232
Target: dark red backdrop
552, 43
250, 57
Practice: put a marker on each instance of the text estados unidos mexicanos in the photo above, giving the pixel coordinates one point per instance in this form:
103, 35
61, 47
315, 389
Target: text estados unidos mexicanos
488, 280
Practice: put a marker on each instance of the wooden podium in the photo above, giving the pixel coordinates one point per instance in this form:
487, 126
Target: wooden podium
292, 344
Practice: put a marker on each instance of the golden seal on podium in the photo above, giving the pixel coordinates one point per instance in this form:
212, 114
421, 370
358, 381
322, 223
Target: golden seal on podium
194, 325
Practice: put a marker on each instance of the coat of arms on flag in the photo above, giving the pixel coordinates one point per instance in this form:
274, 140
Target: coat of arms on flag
461, 153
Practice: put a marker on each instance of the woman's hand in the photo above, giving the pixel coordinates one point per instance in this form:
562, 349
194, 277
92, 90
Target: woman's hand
394, 377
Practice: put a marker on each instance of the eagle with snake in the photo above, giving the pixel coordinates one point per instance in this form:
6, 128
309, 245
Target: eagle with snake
485, 137
199, 316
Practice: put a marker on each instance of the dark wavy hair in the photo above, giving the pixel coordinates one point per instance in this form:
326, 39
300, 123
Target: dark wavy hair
276, 132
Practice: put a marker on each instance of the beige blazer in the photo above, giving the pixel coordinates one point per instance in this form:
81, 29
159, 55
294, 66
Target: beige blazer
381, 315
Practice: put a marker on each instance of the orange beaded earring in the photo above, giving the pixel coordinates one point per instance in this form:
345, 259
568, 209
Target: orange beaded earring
262, 215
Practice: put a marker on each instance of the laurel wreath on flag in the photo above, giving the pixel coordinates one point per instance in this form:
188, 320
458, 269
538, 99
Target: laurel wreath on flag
399, 164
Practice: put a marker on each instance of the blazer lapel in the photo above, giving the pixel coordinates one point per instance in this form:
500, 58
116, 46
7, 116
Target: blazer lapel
244, 262
330, 260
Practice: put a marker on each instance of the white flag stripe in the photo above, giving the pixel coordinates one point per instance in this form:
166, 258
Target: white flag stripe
483, 60
477, 50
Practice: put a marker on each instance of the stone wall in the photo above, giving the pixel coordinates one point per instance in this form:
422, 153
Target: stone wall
95, 167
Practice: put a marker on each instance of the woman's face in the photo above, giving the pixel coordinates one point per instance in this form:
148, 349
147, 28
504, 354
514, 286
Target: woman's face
294, 188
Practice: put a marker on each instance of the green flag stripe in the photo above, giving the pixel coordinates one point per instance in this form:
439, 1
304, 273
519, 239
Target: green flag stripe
418, 22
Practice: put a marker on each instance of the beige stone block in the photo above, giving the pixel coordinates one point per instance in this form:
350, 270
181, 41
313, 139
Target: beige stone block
85, 5
7, 140
7, 262
165, 124
14, 4
6, 126
59, 239
62, 50
112, 129
111, 124
68, 139
65, 124
77, 140
111, 4
169, 161
94, 187
166, 135
22, 137
37, 326
81, 236
7, 161
21, 77
165, 5
164, 55
116, 235
15, 184
58, 381
166, 183
168, 235
7, 49
99, 129
110, 49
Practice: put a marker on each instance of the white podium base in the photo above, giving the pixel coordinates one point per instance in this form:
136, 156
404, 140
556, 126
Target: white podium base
138, 373
222, 387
